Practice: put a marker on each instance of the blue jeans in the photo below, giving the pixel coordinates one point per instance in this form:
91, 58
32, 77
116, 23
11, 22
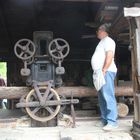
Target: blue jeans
107, 100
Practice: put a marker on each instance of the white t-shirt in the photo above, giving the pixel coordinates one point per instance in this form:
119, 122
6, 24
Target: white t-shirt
98, 58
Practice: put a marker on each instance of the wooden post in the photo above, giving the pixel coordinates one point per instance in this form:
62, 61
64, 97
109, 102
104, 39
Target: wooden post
134, 25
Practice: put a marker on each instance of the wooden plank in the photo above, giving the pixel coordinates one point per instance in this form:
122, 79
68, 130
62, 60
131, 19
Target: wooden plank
17, 92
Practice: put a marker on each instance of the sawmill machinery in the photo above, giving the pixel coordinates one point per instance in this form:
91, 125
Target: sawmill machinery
43, 70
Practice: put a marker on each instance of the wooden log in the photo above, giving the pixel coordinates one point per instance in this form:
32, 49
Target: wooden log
87, 92
123, 110
17, 92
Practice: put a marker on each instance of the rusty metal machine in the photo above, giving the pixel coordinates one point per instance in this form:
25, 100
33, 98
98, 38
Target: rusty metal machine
43, 71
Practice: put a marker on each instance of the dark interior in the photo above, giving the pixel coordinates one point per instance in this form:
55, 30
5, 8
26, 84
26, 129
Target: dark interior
73, 20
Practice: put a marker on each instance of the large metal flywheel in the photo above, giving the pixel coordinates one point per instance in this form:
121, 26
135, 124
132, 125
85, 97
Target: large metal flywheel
42, 112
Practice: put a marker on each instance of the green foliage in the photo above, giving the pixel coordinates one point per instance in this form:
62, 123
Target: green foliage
3, 69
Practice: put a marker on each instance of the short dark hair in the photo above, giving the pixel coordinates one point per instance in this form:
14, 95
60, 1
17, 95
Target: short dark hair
105, 27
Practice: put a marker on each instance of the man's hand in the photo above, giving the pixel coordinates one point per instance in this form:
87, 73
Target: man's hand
104, 71
108, 60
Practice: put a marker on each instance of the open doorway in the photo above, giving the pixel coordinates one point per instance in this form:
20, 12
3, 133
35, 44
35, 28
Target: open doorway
3, 73
3, 82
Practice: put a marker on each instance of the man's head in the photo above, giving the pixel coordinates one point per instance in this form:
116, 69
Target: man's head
103, 31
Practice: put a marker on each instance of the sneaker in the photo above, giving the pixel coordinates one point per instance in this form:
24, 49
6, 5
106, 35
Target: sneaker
99, 124
110, 127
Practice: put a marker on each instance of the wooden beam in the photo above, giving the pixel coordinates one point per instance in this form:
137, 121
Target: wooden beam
17, 92
81, 0
120, 23
107, 13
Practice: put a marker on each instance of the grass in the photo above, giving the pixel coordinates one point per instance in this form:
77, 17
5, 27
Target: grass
3, 70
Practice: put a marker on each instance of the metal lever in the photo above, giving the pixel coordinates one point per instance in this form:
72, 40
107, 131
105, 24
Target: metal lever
73, 112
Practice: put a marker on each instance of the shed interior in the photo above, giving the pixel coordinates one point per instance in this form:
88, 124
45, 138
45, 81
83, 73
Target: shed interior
73, 20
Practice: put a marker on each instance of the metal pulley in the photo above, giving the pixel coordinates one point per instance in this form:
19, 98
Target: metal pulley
24, 49
58, 48
43, 103
43, 113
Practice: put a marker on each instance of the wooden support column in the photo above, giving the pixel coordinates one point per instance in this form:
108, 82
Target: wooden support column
134, 25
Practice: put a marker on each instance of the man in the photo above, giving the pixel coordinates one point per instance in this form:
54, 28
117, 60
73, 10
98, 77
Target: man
103, 59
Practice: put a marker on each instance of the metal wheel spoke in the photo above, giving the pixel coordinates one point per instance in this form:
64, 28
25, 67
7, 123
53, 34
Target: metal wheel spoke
28, 43
35, 96
19, 46
29, 52
63, 47
21, 54
50, 96
56, 42
53, 51
61, 54
47, 92
35, 110
50, 110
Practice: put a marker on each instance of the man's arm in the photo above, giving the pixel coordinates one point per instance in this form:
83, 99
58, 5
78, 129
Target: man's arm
108, 60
